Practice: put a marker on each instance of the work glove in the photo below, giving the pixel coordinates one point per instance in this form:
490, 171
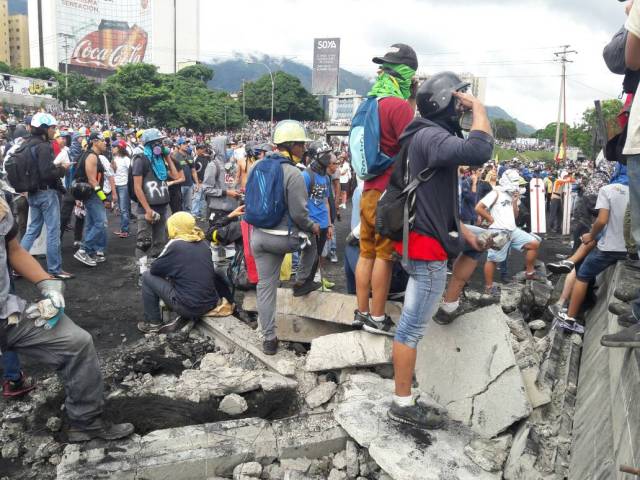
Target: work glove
53, 290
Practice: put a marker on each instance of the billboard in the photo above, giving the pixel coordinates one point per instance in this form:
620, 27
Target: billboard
326, 66
25, 86
98, 36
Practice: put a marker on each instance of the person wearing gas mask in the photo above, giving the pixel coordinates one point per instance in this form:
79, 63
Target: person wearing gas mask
318, 185
219, 182
433, 141
152, 172
500, 209
43, 332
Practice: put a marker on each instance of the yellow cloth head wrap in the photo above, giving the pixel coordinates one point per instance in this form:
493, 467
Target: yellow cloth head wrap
182, 226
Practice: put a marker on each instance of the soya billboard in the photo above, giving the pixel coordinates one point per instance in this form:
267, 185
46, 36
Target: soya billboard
98, 36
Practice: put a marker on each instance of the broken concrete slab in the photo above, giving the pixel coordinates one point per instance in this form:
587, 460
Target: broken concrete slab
202, 385
231, 331
325, 306
510, 296
404, 453
489, 454
470, 368
203, 451
350, 349
538, 395
294, 328
233, 404
321, 394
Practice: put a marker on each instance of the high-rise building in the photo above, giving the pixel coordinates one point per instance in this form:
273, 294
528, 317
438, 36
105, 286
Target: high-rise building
5, 55
95, 37
19, 41
342, 108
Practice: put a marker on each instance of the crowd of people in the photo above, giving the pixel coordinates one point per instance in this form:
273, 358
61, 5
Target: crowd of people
275, 197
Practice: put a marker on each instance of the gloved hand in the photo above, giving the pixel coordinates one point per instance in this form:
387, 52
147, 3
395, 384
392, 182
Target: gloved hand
53, 290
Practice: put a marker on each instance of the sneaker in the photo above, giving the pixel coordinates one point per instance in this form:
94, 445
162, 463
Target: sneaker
442, 317
343, 206
627, 338
77, 244
270, 347
619, 308
359, 318
174, 326
627, 319
566, 323
85, 258
535, 275
305, 288
333, 256
417, 415
626, 292
99, 257
99, 429
493, 291
17, 388
327, 284
147, 327
556, 309
62, 275
563, 266
383, 327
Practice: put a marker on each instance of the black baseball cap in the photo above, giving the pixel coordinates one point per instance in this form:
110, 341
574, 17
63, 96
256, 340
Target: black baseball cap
399, 54
95, 136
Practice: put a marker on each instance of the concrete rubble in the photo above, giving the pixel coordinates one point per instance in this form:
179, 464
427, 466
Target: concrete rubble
507, 383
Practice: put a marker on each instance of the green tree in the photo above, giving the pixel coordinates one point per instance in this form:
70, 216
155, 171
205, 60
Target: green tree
4, 68
196, 72
43, 73
291, 99
504, 129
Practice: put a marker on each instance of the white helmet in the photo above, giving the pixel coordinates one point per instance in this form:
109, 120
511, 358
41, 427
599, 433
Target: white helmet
42, 118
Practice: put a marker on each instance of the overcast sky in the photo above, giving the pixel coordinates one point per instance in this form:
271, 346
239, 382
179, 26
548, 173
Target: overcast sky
509, 42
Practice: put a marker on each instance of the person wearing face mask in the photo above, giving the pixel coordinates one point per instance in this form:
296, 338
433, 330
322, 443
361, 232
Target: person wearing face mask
434, 142
219, 182
152, 171
500, 209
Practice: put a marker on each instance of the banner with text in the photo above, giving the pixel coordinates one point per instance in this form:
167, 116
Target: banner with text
326, 66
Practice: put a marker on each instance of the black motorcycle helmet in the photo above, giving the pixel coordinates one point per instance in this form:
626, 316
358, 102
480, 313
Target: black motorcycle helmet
435, 95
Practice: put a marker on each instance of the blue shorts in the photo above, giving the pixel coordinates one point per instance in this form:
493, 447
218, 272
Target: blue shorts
597, 262
468, 251
518, 239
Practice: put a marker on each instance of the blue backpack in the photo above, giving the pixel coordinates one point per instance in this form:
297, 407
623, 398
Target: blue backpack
264, 200
367, 159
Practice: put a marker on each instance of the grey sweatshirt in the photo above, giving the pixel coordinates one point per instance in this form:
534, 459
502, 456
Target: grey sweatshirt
216, 181
296, 199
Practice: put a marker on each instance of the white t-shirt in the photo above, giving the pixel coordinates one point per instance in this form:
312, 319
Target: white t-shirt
63, 157
108, 173
632, 145
615, 199
502, 210
123, 164
345, 173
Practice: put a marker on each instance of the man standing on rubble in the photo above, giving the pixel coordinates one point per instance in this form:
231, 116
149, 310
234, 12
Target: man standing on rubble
435, 142
43, 332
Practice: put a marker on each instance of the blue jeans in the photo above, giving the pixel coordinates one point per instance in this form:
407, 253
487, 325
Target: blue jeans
187, 196
44, 206
197, 203
124, 204
10, 366
597, 262
95, 226
427, 281
633, 171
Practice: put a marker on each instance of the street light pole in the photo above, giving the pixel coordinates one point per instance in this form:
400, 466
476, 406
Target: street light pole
273, 90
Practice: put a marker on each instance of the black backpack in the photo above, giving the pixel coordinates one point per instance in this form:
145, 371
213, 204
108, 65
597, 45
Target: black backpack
22, 169
396, 209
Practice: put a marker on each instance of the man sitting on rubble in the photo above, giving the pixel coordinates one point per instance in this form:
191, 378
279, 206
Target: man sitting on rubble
183, 276
43, 332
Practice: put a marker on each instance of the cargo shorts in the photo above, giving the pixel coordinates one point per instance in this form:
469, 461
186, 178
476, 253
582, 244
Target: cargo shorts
372, 245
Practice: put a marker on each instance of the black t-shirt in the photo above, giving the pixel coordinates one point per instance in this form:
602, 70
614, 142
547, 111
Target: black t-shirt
140, 168
185, 164
201, 164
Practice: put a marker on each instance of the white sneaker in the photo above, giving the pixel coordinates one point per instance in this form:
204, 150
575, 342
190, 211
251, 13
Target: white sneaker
343, 206
84, 257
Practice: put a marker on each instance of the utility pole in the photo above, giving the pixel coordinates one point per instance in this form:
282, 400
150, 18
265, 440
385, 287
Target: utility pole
562, 102
66, 37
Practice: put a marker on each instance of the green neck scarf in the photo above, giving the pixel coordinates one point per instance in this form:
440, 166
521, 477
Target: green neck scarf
389, 86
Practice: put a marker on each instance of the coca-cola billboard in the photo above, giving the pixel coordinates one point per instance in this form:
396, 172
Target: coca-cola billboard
112, 45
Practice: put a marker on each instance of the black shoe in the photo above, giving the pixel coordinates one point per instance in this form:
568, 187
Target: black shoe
443, 317
626, 292
419, 416
359, 318
563, 266
384, 327
62, 275
619, 308
146, 327
270, 347
174, 326
627, 319
627, 338
306, 287
99, 429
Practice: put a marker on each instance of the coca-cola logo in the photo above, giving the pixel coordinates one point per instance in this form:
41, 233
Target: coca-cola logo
109, 48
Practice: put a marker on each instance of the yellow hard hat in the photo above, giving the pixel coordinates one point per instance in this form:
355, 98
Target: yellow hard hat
139, 133
106, 134
289, 131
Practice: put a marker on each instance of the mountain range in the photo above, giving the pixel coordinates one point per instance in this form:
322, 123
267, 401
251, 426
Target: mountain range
229, 74
17, 7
